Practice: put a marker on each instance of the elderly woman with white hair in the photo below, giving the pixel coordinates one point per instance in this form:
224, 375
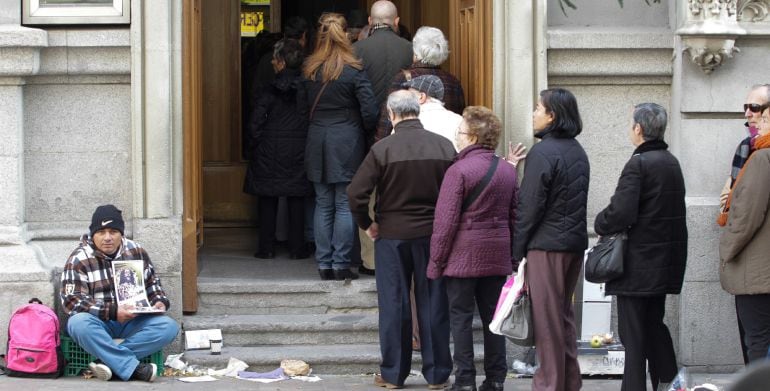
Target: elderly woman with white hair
430, 49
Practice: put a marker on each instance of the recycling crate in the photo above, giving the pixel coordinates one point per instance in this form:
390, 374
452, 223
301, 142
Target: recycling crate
78, 359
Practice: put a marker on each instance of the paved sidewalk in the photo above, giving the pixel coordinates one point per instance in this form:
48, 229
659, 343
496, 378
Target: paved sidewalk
329, 383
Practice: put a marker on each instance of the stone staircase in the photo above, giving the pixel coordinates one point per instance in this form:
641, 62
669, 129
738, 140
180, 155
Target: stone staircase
330, 324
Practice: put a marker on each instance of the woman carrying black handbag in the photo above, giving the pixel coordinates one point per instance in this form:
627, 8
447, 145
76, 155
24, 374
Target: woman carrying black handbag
649, 204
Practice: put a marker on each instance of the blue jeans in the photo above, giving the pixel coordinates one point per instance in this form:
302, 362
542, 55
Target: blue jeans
143, 336
333, 226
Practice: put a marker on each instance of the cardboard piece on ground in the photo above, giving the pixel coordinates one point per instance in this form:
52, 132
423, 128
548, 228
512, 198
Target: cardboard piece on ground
199, 339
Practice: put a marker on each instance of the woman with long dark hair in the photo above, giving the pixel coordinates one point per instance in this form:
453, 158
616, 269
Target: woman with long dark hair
342, 112
551, 233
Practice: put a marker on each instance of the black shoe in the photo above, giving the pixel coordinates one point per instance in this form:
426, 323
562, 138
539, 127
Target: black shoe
326, 274
365, 270
489, 385
460, 387
344, 274
145, 372
264, 255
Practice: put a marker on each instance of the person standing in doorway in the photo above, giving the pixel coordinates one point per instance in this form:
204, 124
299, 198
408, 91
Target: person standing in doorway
341, 110
277, 136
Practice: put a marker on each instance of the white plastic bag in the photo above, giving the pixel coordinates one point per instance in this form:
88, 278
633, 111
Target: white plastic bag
504, 309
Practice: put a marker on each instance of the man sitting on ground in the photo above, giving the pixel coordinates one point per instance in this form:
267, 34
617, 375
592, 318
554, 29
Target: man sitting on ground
88, 296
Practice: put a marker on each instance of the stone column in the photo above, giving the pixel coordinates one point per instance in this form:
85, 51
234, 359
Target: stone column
21, 272
519, 65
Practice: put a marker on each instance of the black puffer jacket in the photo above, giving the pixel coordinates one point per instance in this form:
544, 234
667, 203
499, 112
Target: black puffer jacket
342, 122
277, 135
650, 200
551, 215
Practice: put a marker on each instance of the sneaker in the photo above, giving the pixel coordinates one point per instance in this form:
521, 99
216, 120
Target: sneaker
380, 382
101, 371
489, 385
145, 372
344, 274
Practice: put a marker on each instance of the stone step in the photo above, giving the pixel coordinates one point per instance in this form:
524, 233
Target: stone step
296, 329
341, 359
230, 296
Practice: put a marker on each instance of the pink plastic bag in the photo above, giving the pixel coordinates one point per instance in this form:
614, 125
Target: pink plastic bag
504, 292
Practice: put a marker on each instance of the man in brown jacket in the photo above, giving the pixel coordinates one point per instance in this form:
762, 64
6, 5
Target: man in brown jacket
744, 245
407, 169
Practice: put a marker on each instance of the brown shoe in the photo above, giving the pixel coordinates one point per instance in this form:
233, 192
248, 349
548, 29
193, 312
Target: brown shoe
380, 382
438, 386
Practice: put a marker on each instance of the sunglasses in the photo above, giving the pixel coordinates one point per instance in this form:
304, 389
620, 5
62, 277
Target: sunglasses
754, 107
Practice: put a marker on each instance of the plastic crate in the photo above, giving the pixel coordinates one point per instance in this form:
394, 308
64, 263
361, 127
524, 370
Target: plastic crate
78, 359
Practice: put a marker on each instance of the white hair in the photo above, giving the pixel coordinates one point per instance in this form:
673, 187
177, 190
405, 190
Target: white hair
430, 46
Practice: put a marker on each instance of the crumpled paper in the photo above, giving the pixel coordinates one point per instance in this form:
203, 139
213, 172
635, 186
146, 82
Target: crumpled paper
233, 367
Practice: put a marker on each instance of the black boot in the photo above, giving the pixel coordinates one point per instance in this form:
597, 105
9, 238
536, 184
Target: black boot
489, 385
344, 274
326, 274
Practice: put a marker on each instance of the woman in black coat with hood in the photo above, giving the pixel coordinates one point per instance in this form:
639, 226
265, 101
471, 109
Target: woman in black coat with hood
649, 204
277, 135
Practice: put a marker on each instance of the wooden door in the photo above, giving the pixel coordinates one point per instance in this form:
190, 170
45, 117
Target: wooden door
192, 215
470, 42
223, 166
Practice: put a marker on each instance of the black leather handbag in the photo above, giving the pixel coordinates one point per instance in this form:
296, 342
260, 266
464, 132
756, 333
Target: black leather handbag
604, 261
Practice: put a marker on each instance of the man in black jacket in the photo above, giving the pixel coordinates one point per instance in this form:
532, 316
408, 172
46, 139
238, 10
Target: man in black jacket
407, 169
384, 53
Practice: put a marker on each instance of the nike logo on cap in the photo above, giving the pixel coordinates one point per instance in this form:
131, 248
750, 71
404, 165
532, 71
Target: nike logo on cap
105, 222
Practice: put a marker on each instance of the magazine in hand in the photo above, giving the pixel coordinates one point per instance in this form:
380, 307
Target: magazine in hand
129, 286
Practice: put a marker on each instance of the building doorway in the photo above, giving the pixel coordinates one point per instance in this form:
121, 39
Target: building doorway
213, 39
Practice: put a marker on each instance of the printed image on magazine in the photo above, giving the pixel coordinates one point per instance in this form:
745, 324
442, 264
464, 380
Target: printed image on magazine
129, 286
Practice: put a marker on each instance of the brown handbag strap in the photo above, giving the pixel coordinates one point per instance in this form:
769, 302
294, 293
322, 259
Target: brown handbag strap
317, 98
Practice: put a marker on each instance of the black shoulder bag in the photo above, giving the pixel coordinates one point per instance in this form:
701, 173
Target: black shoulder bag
476, 191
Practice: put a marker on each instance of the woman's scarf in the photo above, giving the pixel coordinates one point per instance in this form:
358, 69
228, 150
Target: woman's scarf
761, 142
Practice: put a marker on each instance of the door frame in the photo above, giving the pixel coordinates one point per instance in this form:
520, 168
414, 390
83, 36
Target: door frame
192, 215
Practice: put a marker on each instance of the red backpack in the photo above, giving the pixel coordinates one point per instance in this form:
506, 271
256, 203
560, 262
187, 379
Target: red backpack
34, 348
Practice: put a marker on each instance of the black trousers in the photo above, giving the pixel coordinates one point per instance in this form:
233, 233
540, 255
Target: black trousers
646, 338
268, 208
464, 295
397, 261
754, 313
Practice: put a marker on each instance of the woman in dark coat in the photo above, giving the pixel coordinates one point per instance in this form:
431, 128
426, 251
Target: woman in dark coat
551, 232
342, 112
471, 247
277, 133
649, 204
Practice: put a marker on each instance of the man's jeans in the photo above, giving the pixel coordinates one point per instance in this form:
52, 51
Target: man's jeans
333, 226
143, 336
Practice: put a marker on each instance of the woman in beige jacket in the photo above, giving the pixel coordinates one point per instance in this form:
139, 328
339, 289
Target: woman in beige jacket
744, 246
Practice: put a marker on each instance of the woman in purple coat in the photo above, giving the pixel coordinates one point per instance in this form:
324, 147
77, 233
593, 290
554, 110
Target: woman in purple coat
471, 243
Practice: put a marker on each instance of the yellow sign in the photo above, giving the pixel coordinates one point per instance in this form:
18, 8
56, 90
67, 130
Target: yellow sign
252, 22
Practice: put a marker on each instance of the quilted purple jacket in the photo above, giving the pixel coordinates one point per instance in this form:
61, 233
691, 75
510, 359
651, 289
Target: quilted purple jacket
477, 242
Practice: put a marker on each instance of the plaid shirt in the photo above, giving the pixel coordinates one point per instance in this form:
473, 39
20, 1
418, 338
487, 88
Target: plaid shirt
739, 159
454, 98
87, 283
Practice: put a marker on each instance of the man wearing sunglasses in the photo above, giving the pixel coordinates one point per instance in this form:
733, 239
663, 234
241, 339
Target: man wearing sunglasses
756, 102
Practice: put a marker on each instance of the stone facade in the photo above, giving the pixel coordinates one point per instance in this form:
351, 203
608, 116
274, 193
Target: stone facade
93, 116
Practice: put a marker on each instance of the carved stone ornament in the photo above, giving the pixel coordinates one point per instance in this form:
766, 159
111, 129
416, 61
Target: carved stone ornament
709, 32
753, 10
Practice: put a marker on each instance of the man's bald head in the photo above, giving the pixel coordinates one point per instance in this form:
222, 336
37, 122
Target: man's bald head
383, 12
